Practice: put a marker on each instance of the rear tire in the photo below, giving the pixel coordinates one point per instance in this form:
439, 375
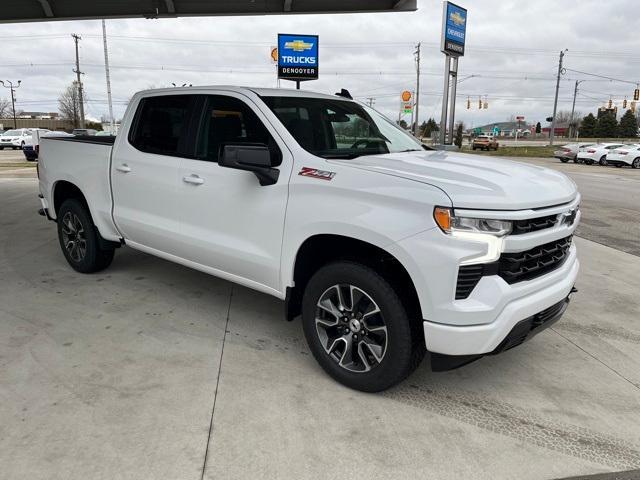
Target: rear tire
79, 238
369, 346
603, 160
564, 160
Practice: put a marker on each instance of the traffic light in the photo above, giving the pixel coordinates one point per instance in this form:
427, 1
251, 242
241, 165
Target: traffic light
624, 103
636, 94
610, 104
549, 119
468, 103
486, 105
479, 104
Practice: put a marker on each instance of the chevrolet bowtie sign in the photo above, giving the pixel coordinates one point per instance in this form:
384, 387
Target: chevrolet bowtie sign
297, 57
454, 29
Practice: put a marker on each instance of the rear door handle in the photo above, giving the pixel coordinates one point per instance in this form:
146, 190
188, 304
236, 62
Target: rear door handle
193, 179
124, 168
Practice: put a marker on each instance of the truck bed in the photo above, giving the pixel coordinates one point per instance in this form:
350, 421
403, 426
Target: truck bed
83, 161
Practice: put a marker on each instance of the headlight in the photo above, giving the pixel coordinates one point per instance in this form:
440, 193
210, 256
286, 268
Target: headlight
449, 223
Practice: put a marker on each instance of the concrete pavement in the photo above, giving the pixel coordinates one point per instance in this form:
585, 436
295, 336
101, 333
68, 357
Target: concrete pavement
121, 374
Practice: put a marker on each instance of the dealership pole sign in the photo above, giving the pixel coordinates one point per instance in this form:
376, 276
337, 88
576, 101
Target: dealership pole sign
297, 57
454, 29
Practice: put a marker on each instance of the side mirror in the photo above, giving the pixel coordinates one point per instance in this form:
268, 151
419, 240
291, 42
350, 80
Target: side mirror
254, 158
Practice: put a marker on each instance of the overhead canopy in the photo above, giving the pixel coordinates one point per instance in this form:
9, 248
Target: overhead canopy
13, 11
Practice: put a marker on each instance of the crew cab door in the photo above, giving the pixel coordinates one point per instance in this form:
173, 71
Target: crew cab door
230, 222
145, 171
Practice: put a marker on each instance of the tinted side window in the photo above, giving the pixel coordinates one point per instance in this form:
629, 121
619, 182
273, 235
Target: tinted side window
227, 120
160, 124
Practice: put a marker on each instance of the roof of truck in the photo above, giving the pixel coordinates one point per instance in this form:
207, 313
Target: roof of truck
263, 92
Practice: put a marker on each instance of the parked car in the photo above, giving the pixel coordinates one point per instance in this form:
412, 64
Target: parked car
32, 147
84, 131
16, 138
596, 153
386, 250
485, 142
626, 155
104, 133
570, 151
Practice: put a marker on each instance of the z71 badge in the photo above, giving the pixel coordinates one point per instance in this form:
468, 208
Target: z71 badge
315, 173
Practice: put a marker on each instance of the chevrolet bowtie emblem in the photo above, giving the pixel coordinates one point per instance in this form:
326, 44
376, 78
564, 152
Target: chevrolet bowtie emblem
457, 19
298, 45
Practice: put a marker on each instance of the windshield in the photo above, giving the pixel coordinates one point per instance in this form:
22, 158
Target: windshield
13, 133
334, 128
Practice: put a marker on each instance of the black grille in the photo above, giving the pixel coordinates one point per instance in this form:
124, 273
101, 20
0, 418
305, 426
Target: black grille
468, 278
516, 267
533, 224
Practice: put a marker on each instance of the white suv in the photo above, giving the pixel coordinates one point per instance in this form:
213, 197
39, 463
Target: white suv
15, 139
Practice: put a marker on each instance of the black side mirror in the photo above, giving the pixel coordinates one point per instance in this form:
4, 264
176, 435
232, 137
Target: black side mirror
254, 158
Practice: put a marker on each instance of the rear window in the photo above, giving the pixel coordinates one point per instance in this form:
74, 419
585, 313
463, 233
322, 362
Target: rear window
160, 124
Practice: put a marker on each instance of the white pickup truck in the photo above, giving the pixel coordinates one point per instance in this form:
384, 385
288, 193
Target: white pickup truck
385, 249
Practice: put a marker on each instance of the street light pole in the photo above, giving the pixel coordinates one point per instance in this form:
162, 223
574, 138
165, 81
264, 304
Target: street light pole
555, 102
12, 87
573, 106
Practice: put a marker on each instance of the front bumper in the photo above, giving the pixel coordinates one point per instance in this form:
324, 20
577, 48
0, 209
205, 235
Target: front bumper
482, 339
523, 331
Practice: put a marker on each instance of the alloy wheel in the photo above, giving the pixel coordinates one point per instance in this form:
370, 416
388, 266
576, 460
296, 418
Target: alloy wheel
73, 237
351, 328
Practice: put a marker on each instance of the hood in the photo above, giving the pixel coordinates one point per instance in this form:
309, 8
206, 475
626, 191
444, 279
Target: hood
475, 181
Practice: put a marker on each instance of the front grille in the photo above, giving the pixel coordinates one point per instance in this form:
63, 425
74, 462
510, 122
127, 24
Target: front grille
468, 278
520, 266
515, 267
533, 224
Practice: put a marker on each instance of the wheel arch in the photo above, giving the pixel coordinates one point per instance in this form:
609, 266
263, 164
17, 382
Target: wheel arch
321, 249
63, 190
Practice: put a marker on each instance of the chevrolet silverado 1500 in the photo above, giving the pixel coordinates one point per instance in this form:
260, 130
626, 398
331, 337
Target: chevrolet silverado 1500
385, 249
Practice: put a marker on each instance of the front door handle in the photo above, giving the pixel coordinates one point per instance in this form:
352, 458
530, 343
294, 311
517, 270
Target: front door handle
193, 179
124, 168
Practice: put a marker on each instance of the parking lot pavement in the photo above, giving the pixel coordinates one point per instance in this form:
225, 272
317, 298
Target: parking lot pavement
121, 374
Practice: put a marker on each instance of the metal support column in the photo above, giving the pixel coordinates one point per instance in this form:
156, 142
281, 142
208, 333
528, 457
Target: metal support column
445, 100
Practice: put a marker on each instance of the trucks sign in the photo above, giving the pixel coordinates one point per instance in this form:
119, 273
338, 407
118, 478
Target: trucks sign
454, 29
297, 57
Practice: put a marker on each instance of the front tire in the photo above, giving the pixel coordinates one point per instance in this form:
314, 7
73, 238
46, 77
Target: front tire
603, 160
358, 329
635, 163
564, 160
79, 239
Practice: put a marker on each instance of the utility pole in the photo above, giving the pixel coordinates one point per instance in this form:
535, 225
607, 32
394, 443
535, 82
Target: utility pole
78, 73
106, 71
371, 101
416, 125
573, 106
555, 102
12, 87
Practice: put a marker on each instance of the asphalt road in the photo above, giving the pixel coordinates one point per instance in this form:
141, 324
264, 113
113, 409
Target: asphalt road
610, 202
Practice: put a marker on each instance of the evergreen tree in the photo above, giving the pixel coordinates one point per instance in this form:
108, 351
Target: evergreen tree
607, 126
588, 126
538, 128
458, 138
628, 126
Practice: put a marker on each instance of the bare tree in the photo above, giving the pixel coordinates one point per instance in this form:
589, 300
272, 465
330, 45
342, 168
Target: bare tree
69, 104
5, 108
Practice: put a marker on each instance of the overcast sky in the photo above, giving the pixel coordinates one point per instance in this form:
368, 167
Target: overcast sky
512, 53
